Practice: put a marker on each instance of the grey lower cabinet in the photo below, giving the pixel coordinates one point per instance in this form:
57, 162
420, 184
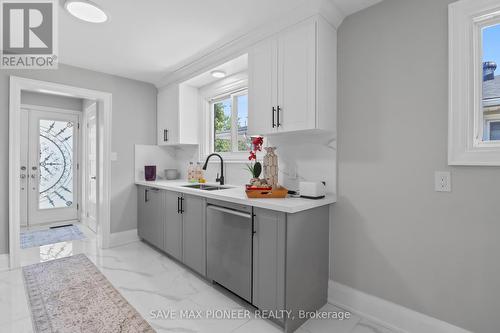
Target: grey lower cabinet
173, 225
290, 251
290, 262
193, 233
269, 259
151, 206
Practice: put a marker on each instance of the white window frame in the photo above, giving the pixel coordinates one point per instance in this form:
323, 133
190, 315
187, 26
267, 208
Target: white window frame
466, 146
234, 86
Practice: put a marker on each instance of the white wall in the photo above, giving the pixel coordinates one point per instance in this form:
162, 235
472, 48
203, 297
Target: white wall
134, 119
393, 236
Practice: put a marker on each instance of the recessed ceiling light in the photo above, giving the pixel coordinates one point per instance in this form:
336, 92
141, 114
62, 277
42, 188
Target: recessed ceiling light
86, 11
218, 74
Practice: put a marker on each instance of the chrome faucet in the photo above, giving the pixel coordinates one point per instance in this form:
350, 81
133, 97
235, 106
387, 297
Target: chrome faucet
221, 178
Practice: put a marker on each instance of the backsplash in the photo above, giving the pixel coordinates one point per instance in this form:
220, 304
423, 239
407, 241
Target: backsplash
304, 157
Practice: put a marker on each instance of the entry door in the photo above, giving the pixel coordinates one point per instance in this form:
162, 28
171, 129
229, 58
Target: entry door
52, 167
91, 168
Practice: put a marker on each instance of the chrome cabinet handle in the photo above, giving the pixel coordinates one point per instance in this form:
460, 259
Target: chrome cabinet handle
274, 111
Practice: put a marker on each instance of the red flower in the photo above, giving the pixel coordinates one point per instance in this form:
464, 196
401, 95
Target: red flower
252, 156
257, 143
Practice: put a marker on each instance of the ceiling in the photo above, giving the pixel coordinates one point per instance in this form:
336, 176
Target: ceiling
146, 40
349, 7
235, 66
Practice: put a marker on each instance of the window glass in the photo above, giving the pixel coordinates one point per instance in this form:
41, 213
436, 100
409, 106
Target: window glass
222, 126
491, 80
495, 130
244, 141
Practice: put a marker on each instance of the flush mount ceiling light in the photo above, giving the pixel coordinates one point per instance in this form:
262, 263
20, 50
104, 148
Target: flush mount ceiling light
218, 74
86, 11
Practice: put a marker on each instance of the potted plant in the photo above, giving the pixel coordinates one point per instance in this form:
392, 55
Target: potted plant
255, 168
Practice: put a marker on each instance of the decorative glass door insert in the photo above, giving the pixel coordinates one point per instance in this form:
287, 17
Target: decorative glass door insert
56, 164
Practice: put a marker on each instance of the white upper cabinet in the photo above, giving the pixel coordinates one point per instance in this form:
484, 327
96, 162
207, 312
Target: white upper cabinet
297, 78
262, 86
292, 80
177, 115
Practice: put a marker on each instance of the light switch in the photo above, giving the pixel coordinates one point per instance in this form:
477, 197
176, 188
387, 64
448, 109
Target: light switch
442, 182
114, 156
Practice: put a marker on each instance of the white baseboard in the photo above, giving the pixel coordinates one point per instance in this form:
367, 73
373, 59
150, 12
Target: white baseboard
4, 262
124, 237
386, 313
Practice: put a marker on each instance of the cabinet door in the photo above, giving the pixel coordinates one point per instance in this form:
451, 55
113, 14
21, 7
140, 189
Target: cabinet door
269, 260
151, 219
193, 232
168, 115
262, 87
297, 77
173, 225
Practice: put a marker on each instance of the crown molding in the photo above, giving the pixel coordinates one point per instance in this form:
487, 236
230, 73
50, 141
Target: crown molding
239, 43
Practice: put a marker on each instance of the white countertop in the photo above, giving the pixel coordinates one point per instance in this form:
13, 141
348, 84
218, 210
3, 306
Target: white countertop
236, 194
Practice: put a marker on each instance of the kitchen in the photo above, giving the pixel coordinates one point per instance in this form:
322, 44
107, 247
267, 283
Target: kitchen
261, 249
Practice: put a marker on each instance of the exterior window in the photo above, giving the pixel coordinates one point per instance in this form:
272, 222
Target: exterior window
474, 83
229, 123
222, 126
491, 82
244, 141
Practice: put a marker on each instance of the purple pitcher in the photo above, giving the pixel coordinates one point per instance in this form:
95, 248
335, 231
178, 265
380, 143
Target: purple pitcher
150, 172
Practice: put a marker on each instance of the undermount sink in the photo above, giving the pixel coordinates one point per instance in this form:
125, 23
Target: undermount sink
205, 187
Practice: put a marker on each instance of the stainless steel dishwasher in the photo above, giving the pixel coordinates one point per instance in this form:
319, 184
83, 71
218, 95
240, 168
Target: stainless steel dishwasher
229, 247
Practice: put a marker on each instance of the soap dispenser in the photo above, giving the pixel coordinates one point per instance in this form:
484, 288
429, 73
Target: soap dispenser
190, 172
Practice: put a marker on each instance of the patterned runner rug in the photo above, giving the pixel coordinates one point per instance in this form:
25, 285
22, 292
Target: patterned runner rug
50, 236
72, 295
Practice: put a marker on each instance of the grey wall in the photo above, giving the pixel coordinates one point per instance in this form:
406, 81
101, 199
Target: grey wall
134, 119
394, 237
60, 102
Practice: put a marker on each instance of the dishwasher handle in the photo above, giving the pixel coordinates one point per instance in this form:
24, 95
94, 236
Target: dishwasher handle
230, 211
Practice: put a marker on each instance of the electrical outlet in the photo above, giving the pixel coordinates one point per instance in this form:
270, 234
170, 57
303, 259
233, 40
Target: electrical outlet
442, 181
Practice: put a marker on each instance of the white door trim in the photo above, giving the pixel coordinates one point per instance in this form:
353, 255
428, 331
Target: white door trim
104, 99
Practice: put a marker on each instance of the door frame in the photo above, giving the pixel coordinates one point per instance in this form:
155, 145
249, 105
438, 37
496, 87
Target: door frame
104, 100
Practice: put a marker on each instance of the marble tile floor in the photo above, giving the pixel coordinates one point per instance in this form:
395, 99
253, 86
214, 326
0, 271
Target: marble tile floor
156, 286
